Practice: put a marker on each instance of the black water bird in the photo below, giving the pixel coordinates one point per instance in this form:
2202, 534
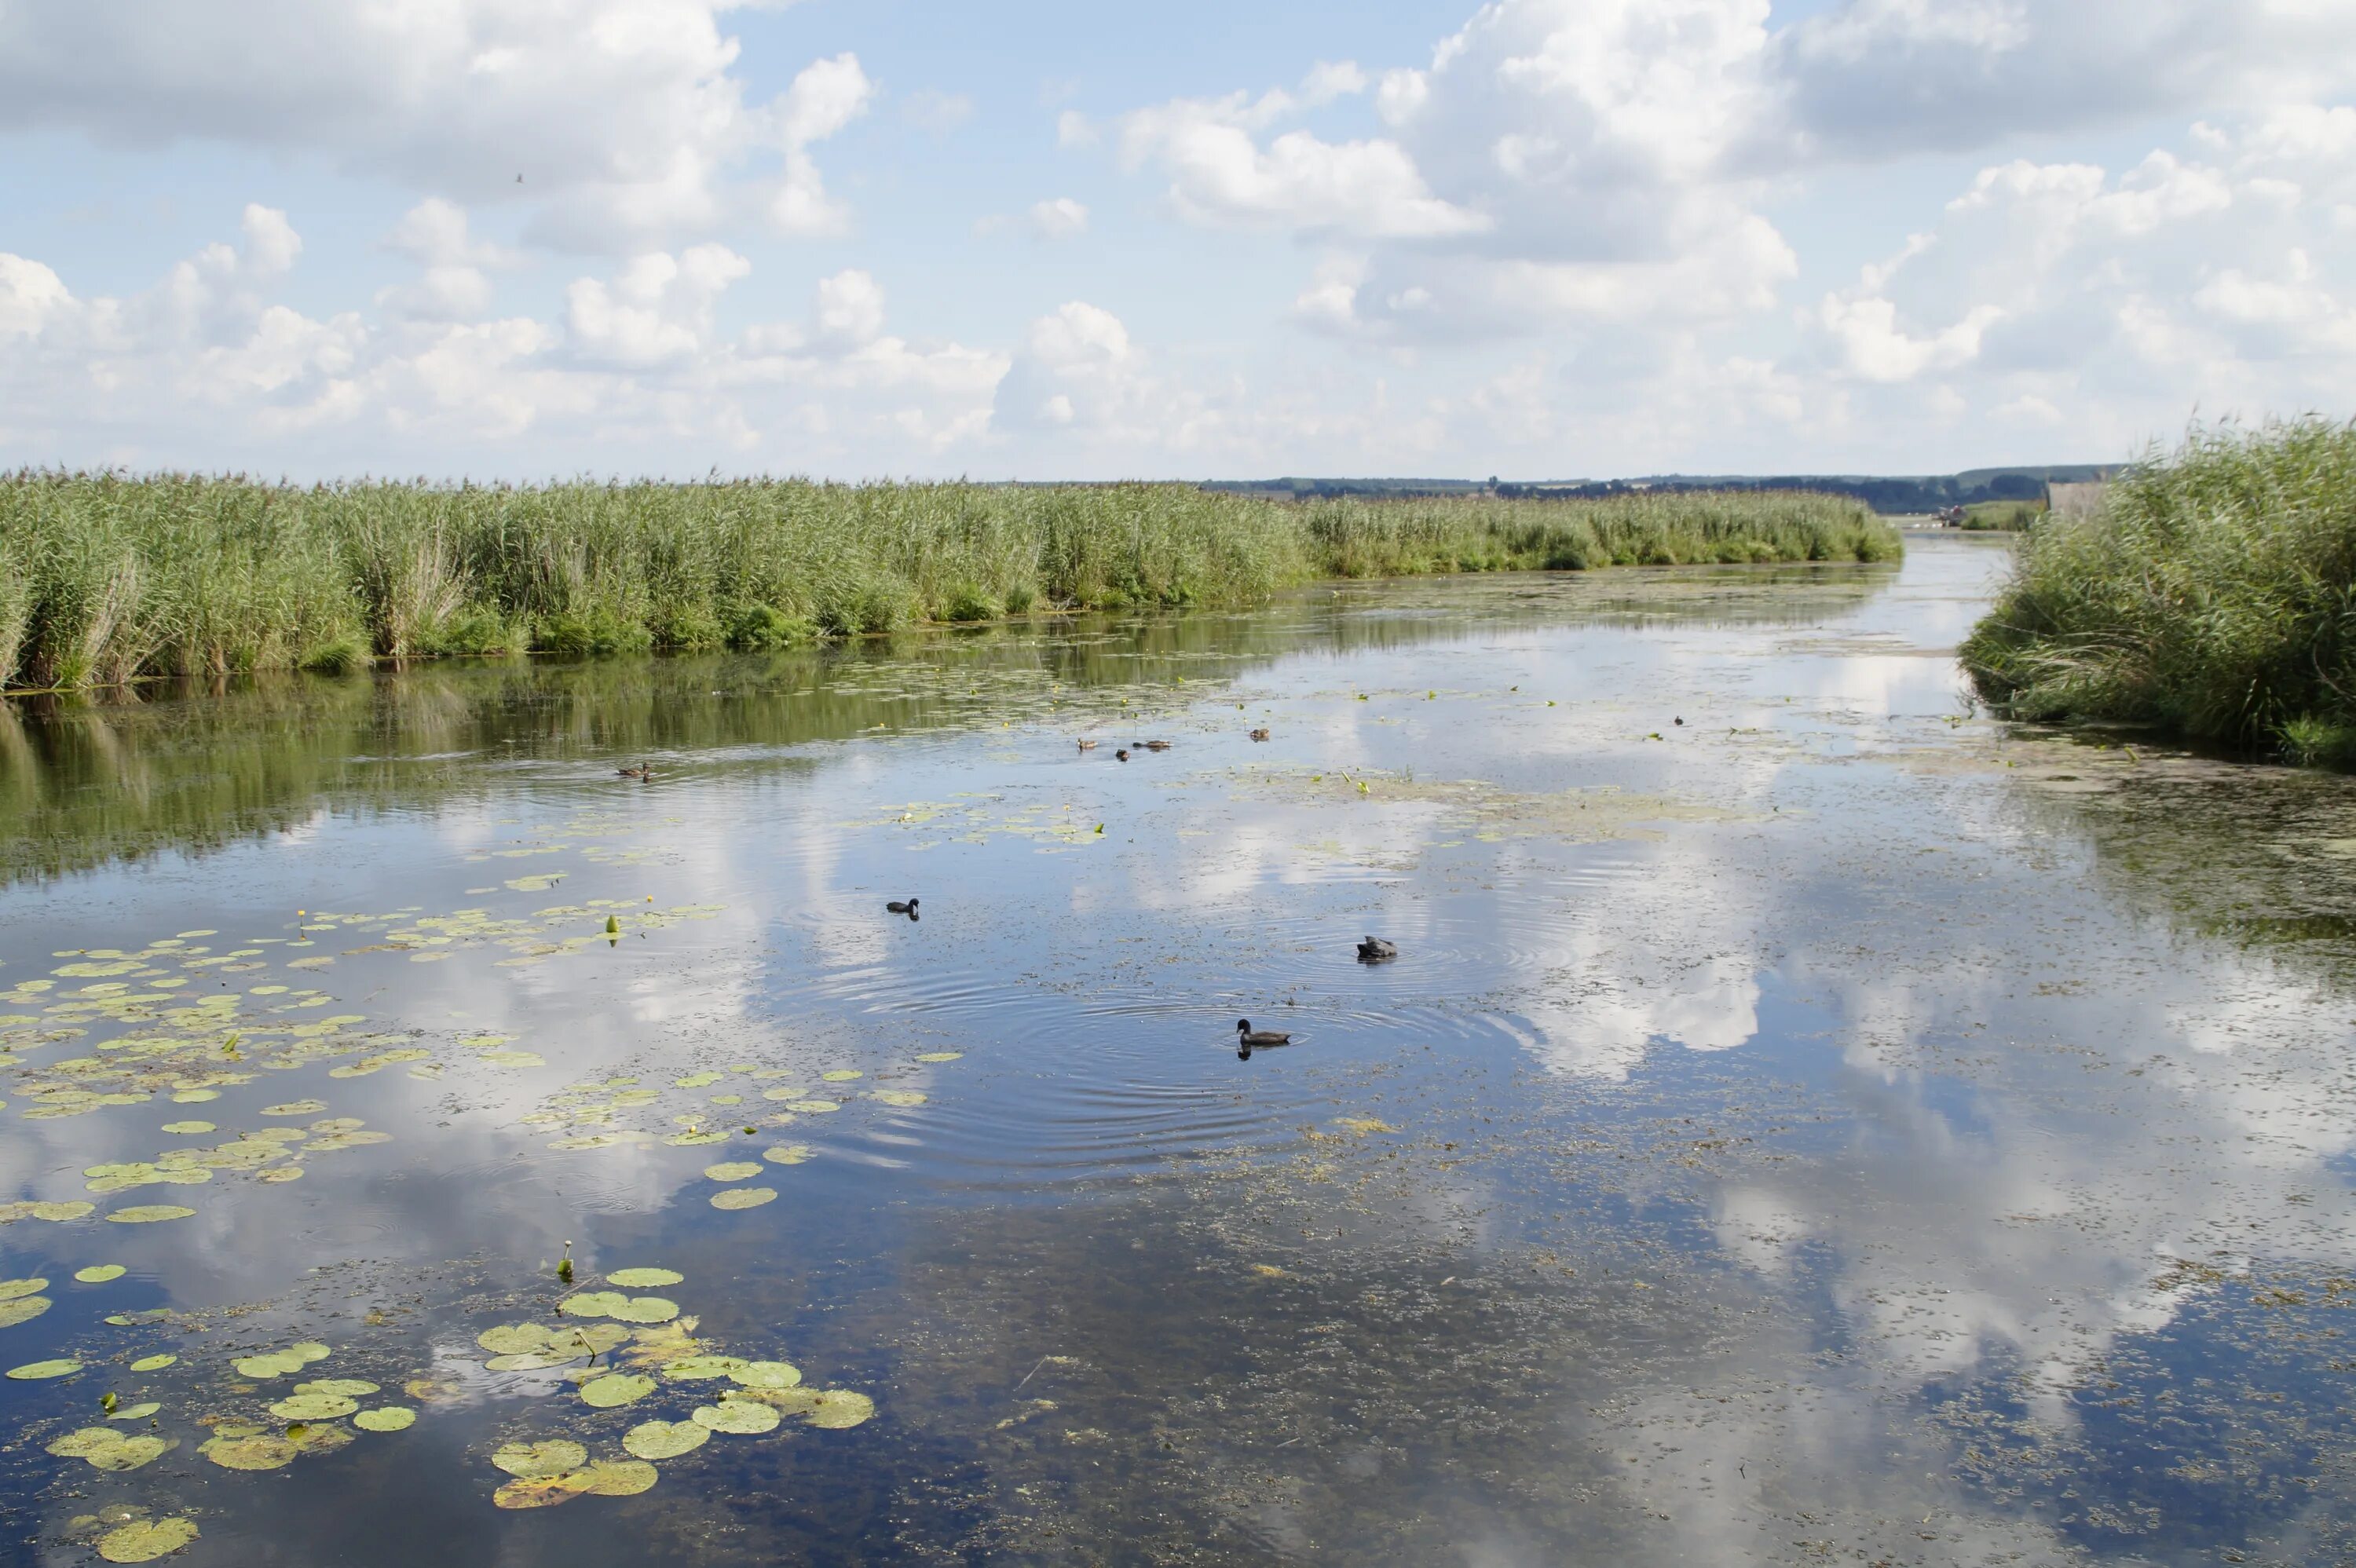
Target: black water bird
1121, 755
1157, 745
1247, 1035
907, 907
1376, 950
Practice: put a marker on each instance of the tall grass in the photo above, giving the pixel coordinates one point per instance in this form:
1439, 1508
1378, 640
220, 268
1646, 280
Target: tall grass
106, 577
2215, 595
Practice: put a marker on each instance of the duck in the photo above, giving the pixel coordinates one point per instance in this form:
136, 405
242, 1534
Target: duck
1376, 950
1260, 734
642, 772
902, 906
1247, 1035
1087, 745
1121, 755
1157, 745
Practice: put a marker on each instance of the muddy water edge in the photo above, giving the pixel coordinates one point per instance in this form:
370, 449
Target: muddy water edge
1806, 1121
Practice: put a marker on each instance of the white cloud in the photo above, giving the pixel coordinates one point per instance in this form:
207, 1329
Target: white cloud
625, 118
1059, 218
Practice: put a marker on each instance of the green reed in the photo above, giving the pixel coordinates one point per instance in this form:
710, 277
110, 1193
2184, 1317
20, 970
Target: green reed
106, 577
2215, 596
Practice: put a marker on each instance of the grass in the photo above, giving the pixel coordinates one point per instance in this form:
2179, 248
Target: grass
2214, 597
107, 578
2002, 516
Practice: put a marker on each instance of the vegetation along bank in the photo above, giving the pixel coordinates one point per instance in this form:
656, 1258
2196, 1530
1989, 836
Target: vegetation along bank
105, 578
2215, 596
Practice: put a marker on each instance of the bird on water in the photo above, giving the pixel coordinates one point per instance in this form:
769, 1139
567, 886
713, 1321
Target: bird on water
1247, 1037
903, 906
640, 772
1376, 950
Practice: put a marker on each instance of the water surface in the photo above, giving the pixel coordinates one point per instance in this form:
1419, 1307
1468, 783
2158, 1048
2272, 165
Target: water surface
1807, 1120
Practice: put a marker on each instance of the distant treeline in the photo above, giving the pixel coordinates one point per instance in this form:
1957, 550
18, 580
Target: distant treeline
106, 579
1890, 497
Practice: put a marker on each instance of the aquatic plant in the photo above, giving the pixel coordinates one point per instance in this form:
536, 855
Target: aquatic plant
2215, 596
107, 577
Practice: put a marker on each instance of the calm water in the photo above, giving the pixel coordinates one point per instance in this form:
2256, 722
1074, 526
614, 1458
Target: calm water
1832, 1128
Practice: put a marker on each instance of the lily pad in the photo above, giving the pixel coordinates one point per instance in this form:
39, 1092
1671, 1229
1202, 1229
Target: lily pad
150, 1214
698, 1369
133, 1452
259, 1451
732, 1170
152, 1363
388, 1418
904, 1098
34, 1371
145, 1540
621, 1308
10, 1289
941, 1056
616, 1390
665, 1439
767, 1375
513, 1339
295, 1108
23, 1310
843, 1075
189, 1129
744, 1196
551, 1457
742, 1418
314, 1407
839, 1408
813, 1107
644, 1278
100, 1274
788, 1153
348, 1387
139, 1412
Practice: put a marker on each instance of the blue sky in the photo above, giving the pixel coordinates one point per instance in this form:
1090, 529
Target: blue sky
1541, 238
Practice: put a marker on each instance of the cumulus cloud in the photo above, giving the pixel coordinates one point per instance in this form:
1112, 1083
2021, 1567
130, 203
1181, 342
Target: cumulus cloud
1058, 219
624, 117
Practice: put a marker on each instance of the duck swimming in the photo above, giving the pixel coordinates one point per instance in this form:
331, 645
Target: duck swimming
1121, 755
903, 906
640, 772
1260, 734
1247, 1035
1376, 950
1157, 745
1087, 745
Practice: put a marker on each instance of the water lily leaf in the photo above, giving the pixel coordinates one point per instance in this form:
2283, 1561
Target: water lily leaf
317, 1436
295, 1108
616, 1479
813, 1107
314, 1407
513, 1339
134, 1412
23, 1310
623, 1308
346, 1386
843, 1075
744, 1196
742, 1418
537, 1491
767, 1375
695, 1368
665, 1439
693, 1140
133, 1452
189, 1129
788, 1153
697, 1081
616, 1390
150, 1214
900, 1097
644, 1278
81, 1445
259, 1451
10, 1289
34, 1371
283, 1173
552, 1456
144, 1540
732, 1170
388, 1418
99, 1274
152, 1363
839, 1409
941, 1056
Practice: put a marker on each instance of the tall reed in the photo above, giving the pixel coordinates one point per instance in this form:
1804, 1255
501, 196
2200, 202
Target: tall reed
111, 577
2215, 596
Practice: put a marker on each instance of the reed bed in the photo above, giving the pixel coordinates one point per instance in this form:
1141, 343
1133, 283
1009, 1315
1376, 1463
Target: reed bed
106, 577
2215, 596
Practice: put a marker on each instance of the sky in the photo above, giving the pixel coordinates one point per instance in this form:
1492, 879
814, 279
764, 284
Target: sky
1540, 238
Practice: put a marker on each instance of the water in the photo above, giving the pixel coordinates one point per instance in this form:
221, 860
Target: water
1832, 1127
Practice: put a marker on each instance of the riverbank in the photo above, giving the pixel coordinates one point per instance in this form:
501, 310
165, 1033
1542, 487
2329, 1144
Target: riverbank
2214, 597
107, 578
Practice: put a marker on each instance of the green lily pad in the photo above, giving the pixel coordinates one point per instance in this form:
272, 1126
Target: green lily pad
81, 1445
295, 1108
145, 1540
100, 1274
139, 1412
788, 1153
10, 1289
904, 1098
551, 1457
152, 1363
732, 1170
616, 1390
644, 1278
513, 1339
843, 1075
840, 1408
189, 1129
742, 1418
348, 1387
622, 1308
697, 1369
259, 1451
767, 1375
387, 1418
744, 1196
133, 1452
34, 1371
813, 1107
150, 1214
941, 1056
23, 1310
665, 1439
314, 1407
